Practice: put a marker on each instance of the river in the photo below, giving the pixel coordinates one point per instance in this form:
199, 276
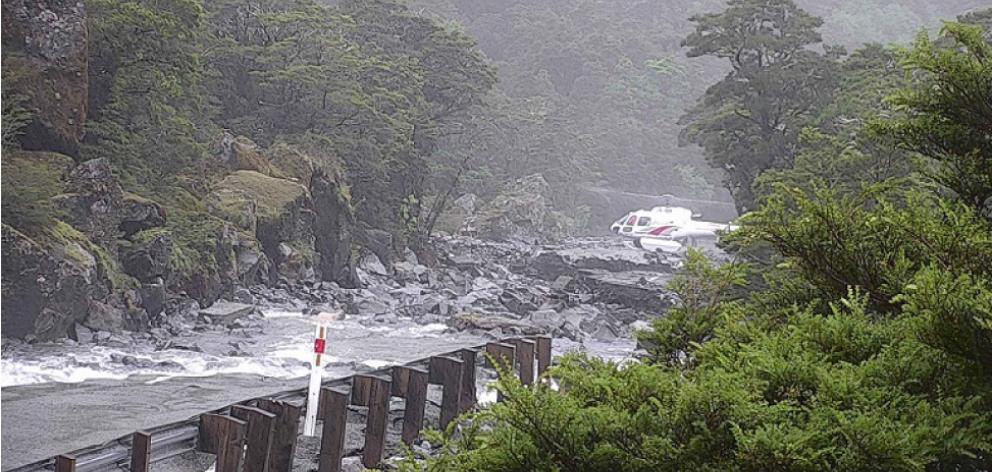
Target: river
61, 397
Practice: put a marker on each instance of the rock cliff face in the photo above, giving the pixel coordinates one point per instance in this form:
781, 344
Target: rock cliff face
523, 211
333, 225
45, 60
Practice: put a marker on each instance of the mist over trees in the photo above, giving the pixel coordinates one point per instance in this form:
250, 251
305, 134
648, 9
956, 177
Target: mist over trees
605, 84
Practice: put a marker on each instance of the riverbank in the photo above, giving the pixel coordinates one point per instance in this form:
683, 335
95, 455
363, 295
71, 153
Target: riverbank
479, 291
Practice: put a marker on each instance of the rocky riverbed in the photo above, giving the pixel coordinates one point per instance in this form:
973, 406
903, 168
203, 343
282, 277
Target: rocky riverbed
588, 293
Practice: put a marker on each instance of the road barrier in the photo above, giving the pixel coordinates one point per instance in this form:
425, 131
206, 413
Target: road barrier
260, 434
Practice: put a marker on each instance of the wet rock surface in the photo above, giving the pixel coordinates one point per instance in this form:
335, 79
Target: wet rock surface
498, 289
583, 289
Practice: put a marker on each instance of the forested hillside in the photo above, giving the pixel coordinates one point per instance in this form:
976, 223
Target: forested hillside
189, 147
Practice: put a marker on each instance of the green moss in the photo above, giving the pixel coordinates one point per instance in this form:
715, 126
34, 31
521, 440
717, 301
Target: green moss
133, 197
271, 195
30, 180
291, 161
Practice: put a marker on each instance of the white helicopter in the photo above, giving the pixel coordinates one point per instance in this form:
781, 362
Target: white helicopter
668, 228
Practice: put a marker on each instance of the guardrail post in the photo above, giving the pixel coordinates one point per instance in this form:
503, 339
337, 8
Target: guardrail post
468, 399
447, 372
141, 451
224, 436
361, 388
411, 384
543, 354
65, 463
503, 355
525, 359
261, 423
284, 432
375, 426
335, 411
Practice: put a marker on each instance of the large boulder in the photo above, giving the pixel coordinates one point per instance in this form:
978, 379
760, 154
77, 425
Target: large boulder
380, 243
551, 263
278, 212
52, 280
45, 60
457, 217
333, 226
95, 204
148, 259
523, 211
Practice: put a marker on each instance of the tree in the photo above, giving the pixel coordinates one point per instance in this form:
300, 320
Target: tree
749, 122
946, 114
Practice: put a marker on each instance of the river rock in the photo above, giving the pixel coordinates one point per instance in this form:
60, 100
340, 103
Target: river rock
518, 301
467, 321
552, 263
645, 291
82, 334
371, 264
225, 313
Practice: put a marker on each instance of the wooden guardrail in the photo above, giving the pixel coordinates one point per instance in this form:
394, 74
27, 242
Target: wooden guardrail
260, 434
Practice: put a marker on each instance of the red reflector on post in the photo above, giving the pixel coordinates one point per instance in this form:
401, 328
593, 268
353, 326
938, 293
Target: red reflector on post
318, 346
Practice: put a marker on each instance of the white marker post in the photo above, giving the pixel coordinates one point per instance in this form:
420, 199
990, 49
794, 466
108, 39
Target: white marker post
313, 395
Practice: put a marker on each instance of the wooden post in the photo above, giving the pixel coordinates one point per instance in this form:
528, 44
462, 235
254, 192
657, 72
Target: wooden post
468, 399
543, 354
261, 424
141, 451
361, 387
65, 463
375, 426
223, 436
335, 419
502, 355
525, 360
411, 384
447, 372
284, 432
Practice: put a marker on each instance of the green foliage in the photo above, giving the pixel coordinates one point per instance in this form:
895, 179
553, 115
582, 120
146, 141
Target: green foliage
870, 240
704, 291
947, 111
145, 108
841, 390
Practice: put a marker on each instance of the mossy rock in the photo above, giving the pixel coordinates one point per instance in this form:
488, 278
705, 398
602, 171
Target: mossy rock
271, 196
66, 241
292, 162
241, 153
